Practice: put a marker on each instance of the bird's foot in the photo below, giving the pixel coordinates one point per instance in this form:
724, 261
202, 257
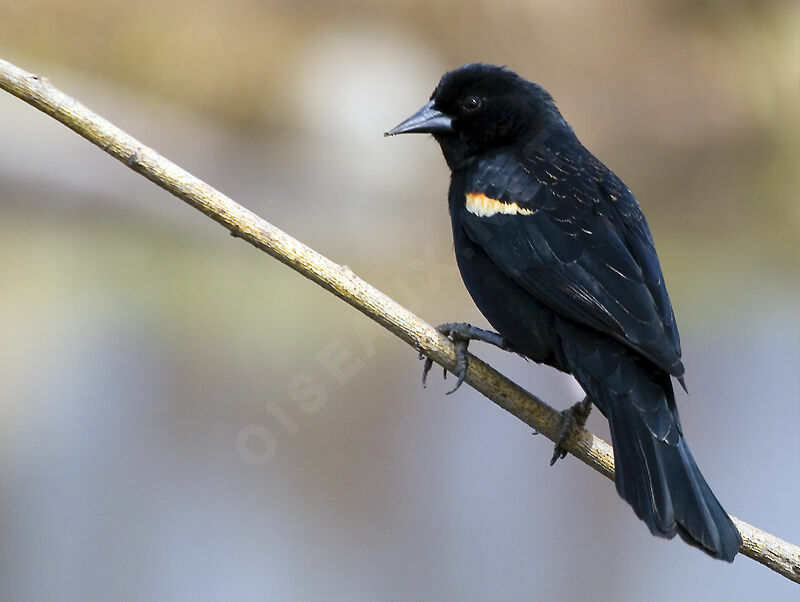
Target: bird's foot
461, 334
571, 419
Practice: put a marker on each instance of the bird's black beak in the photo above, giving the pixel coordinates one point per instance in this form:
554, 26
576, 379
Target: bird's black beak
425, 121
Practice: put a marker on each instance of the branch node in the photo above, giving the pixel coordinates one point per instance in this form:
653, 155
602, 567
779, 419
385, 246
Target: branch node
133, 159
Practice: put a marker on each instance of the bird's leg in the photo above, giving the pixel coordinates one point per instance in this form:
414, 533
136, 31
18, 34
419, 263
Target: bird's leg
571, 419
461, 334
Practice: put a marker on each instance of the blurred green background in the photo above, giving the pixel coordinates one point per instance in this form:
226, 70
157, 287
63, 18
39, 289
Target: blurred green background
186, 419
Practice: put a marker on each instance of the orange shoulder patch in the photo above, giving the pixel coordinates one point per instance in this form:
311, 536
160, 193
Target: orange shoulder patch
481, 205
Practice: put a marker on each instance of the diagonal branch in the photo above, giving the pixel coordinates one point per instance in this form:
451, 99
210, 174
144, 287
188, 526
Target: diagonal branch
767, 549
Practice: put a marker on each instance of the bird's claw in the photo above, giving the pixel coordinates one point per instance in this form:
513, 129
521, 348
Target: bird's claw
460, 345
458, 333
571, 419
559, 453
461, 334
426, 367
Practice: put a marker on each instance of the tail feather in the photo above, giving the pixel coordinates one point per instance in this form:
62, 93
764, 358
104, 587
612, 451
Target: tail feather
640, 477
660, 479
700, 517
655, 471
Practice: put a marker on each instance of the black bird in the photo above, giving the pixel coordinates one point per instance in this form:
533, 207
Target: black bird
558, 257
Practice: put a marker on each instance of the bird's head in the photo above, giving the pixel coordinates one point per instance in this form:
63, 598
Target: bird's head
478, 107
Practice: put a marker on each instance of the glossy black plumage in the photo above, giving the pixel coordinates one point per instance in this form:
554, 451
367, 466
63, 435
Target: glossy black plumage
557, 255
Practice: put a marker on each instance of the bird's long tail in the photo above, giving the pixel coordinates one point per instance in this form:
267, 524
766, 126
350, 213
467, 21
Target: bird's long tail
655, 471
657, 475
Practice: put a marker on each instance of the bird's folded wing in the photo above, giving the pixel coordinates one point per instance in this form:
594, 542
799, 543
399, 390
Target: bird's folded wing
585, 256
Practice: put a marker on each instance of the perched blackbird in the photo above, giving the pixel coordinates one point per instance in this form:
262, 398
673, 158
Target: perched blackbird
558, 257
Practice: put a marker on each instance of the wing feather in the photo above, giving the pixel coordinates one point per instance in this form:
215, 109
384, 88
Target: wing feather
586, 253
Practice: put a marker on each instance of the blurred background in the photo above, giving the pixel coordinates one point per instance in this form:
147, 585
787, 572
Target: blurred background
183, 418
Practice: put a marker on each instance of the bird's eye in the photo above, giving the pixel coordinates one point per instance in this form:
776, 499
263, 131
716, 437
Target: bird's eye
470, 104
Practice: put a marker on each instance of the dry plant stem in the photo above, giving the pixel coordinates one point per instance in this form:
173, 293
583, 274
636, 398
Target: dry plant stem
775, 553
